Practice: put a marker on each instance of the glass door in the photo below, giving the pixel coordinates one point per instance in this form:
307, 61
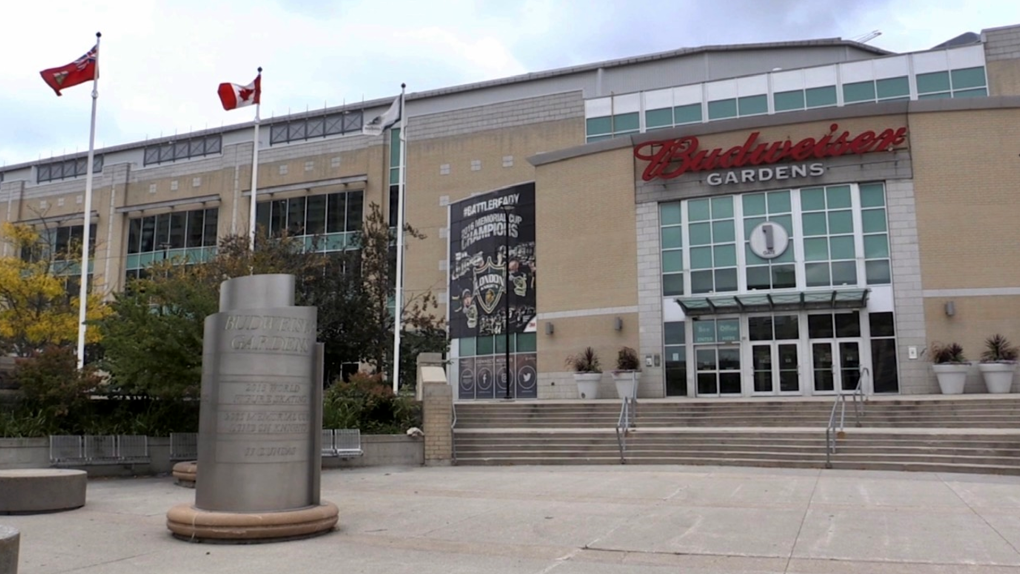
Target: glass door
775, 355
836, 361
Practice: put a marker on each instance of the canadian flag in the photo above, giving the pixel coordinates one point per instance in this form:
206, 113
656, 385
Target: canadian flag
235, 96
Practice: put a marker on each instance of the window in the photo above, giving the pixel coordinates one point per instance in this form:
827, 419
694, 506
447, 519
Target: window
662, 118
606, 127
180, 150
327, 221
753, 105
962, 83
676, 359
829, 252
302, 129
62, 247
689, 114
671, 234
722, 109
496, 344
717, 356
875, 229
713, 252
822, 97
188, 236
395, 156
786, 101
77, 167
883, 353
778, 272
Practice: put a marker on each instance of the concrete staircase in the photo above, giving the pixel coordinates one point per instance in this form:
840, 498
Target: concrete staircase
963, 434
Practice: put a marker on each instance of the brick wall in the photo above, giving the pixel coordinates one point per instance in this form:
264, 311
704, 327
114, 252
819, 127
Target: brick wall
437, 416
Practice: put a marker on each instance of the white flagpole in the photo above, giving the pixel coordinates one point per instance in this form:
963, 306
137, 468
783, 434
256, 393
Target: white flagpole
254, 173
83, 290
398, 295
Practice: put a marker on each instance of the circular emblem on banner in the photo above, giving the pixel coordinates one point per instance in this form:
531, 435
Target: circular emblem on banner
484, 380
527, 377
769, 240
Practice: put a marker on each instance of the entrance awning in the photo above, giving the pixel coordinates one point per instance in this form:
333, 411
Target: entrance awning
754, 303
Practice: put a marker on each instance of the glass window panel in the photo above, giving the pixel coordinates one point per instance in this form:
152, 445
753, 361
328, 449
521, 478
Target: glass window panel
750, 258
467, 346
355, 205
722, 231
786, 326
893, 87
759, 328
669, 213
820, 97
779, 202
844, 273
848, 324
134, 235
820, 326
526, 343
672, 237
753, 105
483, 346
838, 197
706, 359
759, 277
659, 118
785, 220
841, 247
784, 101
315, 224
148, 240
978, 93
262, 215
859, 92
725, 280
672, 261
872, 195
701, 281
883, 362
673, 284
676, 371
707, 384
729, 358
725, 255
721, 109
932, 82
689, 114
750, 223
816, 249
873, 220
212, 220
501, 342
701, 257
196, 224
784, 276
882, 324
754, 204
815, 224
722, 207
817, 274
936, 96
296, 216
700, 233
162, 230
598, 126
877, 272
698, 210
178, 222
968, 78
812, 199
589, 139
841, 222
278, 217
626, 122
673, 333
876, 246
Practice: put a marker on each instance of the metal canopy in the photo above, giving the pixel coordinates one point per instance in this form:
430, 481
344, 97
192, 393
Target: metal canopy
754, 303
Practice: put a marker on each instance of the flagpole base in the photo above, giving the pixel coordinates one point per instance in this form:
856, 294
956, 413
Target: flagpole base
191, 524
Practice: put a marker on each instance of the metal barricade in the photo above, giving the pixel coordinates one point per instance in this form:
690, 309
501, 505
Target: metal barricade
101, 449
328, 445
66, 449
347, 442
183, 446
132, 448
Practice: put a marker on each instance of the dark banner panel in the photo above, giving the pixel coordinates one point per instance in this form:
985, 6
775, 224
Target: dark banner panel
485, 377
482, 275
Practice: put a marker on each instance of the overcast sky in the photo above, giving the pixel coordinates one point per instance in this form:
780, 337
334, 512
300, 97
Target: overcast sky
162, 59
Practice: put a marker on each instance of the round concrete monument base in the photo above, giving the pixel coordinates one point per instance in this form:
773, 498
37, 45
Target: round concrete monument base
38, 490
186, 473
194, 525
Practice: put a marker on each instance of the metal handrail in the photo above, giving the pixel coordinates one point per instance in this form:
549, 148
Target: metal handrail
628, 412
453, 435
831, 433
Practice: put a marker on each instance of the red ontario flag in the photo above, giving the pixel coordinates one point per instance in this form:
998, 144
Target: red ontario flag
82, 70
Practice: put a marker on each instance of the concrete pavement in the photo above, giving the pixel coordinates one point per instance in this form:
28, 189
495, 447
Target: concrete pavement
570, 520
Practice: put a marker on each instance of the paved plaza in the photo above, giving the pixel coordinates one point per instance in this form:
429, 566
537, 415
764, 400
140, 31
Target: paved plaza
567, 520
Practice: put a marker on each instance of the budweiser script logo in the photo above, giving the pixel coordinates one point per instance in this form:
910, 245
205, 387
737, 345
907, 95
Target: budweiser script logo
668, 159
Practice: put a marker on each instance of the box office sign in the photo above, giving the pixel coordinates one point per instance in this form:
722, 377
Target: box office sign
752, 160
483, 276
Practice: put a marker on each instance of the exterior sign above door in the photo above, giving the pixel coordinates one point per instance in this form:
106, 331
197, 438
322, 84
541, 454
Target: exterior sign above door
669, 159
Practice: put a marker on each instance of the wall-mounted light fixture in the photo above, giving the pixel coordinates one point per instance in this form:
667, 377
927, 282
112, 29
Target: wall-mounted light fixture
618, 324
950, 309
549, 328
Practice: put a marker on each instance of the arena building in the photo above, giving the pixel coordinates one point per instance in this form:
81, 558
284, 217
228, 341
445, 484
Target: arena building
755, 220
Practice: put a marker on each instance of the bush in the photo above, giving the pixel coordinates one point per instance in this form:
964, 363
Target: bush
367, 403
55, 389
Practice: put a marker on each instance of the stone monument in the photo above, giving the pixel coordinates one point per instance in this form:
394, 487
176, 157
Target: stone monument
259, 440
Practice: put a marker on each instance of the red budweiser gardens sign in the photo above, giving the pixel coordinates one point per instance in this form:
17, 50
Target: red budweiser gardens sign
669, 159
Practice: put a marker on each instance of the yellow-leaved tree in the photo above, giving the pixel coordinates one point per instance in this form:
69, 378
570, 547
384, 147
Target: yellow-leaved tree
38, 303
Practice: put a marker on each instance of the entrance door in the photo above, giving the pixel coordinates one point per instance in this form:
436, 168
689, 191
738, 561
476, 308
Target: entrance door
836, 365
775, 368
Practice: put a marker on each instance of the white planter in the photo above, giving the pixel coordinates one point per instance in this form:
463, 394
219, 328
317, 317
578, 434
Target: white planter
951, 377
626, 383
998, 376
588, 385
